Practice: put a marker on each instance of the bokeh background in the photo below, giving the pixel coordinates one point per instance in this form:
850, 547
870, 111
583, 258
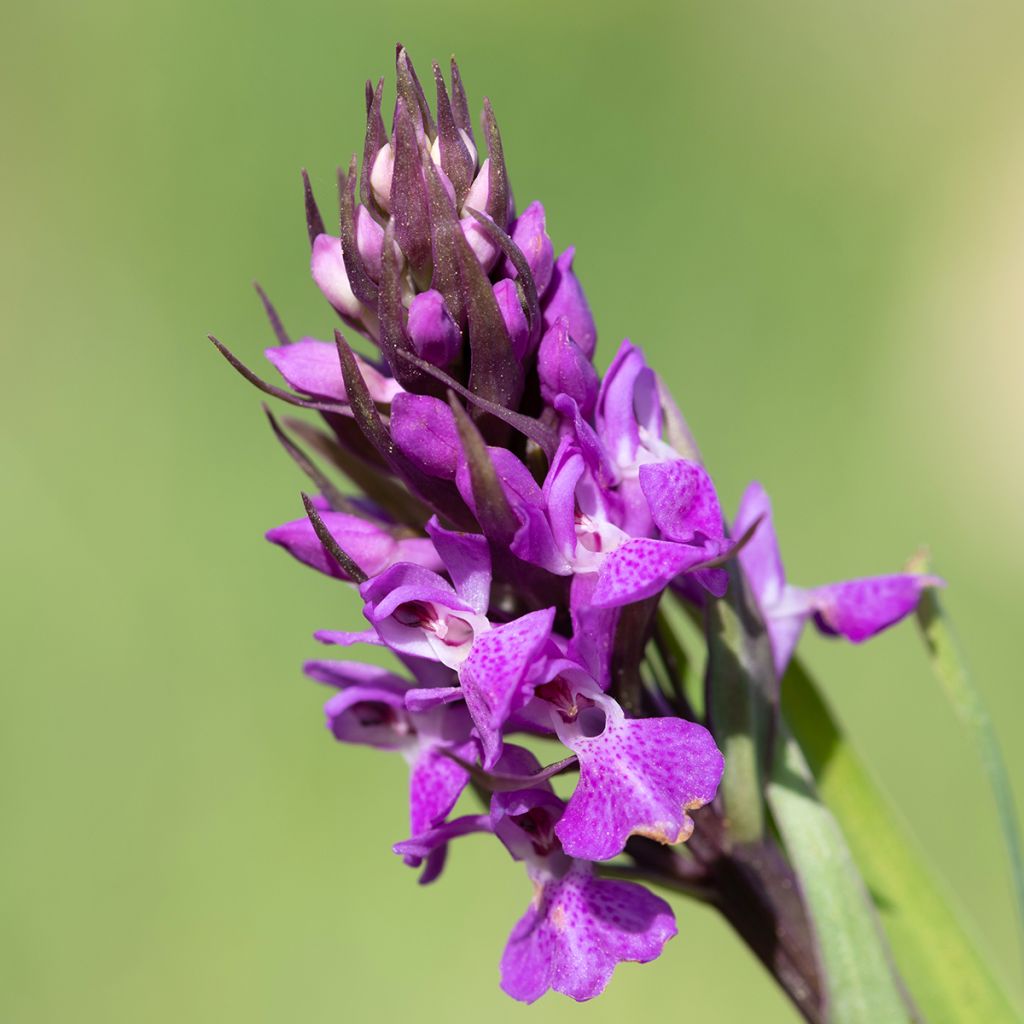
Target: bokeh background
812, 217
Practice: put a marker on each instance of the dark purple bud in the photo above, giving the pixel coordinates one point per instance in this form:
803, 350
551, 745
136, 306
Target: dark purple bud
564, 369
363, 285
450, 149
411, 92
434, 334
409, 206
566, 298
376, 138
499, 205
314, 222
423, 428
460, 105
530, 234
507, 294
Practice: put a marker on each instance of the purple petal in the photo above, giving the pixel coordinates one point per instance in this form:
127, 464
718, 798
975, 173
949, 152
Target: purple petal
565, 298
342, 674
593, 629
760, 557
494, 674
625, 403
371, 715
313, 367
682, 500
370, 547
637, 777
424, 430
344, 638
435, 784
428, 698
643, 567
468, 561
577, 930
858, 609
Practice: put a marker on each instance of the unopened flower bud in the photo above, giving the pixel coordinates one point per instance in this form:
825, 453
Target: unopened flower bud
434, 334
564, 369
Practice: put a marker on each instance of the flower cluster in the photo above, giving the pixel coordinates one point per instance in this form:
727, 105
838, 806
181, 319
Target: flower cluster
515, 521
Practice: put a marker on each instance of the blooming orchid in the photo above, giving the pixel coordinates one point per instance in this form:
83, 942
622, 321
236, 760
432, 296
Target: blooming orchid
513, 521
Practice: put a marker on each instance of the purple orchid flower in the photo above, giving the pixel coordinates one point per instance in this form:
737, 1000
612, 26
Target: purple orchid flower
370, 709
578, 927
856, 609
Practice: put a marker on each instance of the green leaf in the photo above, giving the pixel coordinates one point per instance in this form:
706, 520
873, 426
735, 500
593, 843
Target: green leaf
967, 702
947, 977
859, 979
739, 675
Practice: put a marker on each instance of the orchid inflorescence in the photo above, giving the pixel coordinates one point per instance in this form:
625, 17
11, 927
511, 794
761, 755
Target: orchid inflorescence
515, 522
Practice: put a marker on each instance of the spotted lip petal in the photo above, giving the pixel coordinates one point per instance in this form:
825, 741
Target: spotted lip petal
637, 777
577, 930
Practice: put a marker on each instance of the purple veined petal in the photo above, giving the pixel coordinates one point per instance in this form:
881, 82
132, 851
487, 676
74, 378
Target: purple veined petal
682, 500
312, 367
370, 547
345, 638
467, 558
784, 622
530, 234
760, 557
577, 930
642, 568
565, 298
371, 715
637, 777
434, 334
859, 609
435, 784
427, 698
507, 296
342, 674
534, 543
564, 369
494, 674
424, 430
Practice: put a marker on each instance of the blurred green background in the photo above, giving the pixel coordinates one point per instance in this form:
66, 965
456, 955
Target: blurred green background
812, 217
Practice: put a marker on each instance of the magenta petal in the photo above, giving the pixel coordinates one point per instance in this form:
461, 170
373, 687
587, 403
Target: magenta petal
435, 784
760, 557
371, 715
577, 930
493, 676
506, 294
342, 674
313, 367
370, 547
565, 298
424, 430
858, 609
468, 561
642, 567
682, 500
637, 777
